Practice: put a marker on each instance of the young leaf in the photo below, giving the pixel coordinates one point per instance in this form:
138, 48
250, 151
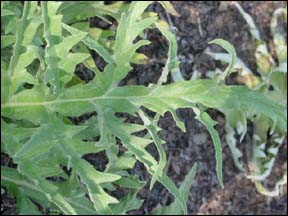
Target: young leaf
233, 56
205, 119
172, 64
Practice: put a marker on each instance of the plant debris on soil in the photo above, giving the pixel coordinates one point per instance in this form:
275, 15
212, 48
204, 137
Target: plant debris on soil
199, 22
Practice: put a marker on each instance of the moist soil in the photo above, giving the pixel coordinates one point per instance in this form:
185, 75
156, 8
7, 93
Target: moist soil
199, 22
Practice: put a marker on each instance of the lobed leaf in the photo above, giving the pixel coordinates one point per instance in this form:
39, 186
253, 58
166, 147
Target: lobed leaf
205, 119
175, 207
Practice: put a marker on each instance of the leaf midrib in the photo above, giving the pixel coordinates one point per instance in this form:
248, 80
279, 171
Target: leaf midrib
74, 100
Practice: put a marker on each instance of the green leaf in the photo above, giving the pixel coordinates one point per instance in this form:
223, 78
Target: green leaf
158, 142
22, 25
128, 203
13, 136
6, 12
77, 11
175, 207
21, 75
31, 29
172, 64
91, 44
7, 40
206, 120
130, 26
245, 75
35, 114
130, 182
168, 7
224, 57
233, 56
9, 175
157, 98
92, 179
68, 64
25, 206
5, 82
143, 156
55, 131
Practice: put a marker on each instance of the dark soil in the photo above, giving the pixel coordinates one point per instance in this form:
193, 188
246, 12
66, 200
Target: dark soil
200, 22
